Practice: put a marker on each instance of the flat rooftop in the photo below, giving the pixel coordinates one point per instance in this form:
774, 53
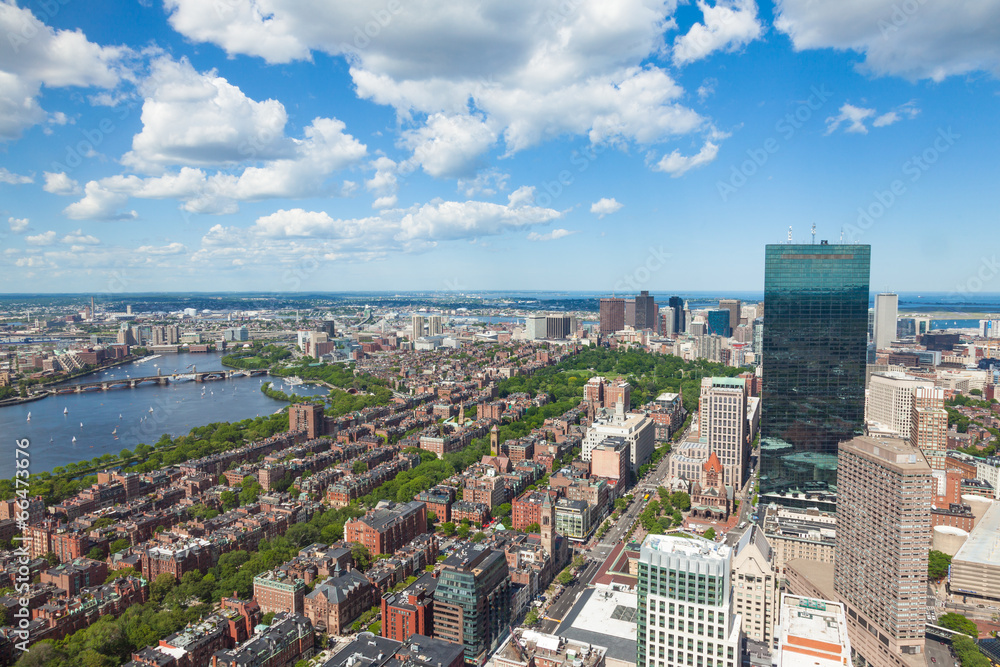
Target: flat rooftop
983, 544
813, 633
686, 546
604, 618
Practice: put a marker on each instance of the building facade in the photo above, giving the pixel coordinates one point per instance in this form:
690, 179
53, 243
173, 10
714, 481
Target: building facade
814, 354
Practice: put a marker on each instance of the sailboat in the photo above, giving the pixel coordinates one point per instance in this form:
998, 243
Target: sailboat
65, 411
115, 432
151, 408
119, 415
29, 416
81, 424
74, 439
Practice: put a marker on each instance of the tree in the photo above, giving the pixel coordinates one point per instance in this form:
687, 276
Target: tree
448, 528
681, 500
532, 617
937, 564
533, 528
503, 510
96, 553
968, 652
478, 537
463, 531
362, 557
268, 617
229, 500
359, 468
52, 559
163, 584
709, 534
565, 578
958, 623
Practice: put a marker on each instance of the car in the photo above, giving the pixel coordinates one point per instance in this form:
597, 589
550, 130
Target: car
933, 659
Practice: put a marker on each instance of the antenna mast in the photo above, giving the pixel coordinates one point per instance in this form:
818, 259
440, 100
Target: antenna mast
789, 234
814, 233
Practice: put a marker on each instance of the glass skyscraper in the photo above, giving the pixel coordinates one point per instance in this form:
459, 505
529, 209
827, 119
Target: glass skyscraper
814, 350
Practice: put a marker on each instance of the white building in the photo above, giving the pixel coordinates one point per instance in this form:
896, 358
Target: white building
685, 613
722, 413
812, 633
535, 326
755, 586
636, 428
416, 327
886, 311
890, 400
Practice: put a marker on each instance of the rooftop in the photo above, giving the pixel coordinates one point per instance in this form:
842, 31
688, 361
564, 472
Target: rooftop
983, 544
604, 618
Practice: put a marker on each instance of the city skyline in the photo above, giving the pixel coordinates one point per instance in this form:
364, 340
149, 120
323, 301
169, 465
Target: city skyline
176, 145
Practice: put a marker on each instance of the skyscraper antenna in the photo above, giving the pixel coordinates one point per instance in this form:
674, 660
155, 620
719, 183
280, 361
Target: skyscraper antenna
841, 234
789, 234
814, 233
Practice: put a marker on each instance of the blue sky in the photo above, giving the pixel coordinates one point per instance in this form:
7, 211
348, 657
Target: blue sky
518, 144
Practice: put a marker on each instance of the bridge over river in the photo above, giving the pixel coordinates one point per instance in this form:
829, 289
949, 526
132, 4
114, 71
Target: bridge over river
159, 378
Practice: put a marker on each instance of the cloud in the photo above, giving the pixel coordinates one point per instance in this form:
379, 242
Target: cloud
728, 25
99, 203
59, 183
45, 238
17, 225
465, 77
606, 206
199, 119
919, 40
11, 178
174, 248
551, 236
487, 182
677, 165
707, 89
854, 118
36, 56
78, 238
450, 145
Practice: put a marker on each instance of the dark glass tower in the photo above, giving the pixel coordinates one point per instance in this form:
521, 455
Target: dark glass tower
814, 348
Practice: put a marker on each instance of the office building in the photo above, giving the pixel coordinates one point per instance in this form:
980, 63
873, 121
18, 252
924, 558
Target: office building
573, 519
472, 601
685, 611
676, 304
975, 569
929, 425
612, 315
812, 633
416, 327
722, 412
535, 326
883, 536
637, 429
734, 306
644, 312
814, 351
890, 401
718, 323
796, 534
559, 326
884, 324
755, 585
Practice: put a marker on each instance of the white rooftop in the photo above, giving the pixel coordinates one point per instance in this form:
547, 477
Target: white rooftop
983, 544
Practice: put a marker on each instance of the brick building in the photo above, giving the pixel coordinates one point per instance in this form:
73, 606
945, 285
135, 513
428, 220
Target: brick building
385, 529
410, 611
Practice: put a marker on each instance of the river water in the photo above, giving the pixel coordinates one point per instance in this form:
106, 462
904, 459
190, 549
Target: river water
105, 422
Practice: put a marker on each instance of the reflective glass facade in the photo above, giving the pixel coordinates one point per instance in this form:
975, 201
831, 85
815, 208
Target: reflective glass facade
814, 348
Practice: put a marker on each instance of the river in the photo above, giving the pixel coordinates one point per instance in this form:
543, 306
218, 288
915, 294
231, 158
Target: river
106, 422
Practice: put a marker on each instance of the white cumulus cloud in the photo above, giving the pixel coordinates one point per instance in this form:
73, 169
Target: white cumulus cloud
14, 179
606, 206
17, 225
550, 236
727, 25
59, 183
677, 164
45, 238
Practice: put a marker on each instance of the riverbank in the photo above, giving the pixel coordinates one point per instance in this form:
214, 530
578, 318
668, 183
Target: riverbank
43, 394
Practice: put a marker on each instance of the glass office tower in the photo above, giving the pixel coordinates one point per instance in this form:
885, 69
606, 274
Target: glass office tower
814, 349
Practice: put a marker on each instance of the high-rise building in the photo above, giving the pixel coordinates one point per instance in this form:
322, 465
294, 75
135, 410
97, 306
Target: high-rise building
929, 425
883, 538
719, 323
734, 306
472, 601
685, 613
435, 325
559, 326
884, 325
638, 429
814, 344
676, 304
612, 315
535, 326
755, 585
890, 400
722, 413
644, 312
416, 327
